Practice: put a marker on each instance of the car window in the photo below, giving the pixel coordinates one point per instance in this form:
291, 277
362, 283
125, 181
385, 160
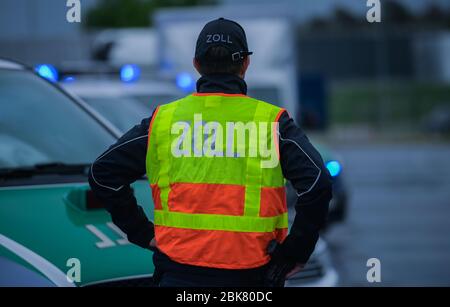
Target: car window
39, 124
123, 112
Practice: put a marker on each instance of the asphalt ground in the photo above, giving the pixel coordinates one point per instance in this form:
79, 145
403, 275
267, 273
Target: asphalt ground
399, 212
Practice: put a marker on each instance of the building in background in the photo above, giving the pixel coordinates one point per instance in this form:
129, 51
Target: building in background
431, 56
331, 39
37, 30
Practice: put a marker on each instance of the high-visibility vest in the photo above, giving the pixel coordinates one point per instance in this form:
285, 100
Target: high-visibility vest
218, 202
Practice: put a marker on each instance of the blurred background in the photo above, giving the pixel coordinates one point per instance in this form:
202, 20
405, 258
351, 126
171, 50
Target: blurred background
375, 96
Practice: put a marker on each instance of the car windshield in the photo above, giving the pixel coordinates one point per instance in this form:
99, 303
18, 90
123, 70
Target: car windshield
39, 124
123, 112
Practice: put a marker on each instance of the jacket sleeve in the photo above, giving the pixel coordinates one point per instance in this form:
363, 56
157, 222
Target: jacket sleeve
110, 177
302, 165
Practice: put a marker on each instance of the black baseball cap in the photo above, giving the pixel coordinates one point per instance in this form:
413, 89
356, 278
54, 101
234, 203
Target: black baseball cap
226, 33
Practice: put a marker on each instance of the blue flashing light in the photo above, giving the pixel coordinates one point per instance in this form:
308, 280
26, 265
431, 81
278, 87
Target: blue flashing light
334, 167
185, 82
47, 71
69, 79
130, 73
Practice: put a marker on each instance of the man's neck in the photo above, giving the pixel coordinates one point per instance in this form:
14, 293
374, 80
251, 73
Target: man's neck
222, 83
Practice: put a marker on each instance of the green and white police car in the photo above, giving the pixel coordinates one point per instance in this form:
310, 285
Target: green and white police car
49, 222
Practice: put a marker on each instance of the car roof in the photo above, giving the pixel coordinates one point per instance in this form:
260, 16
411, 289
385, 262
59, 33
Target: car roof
104, 87
8, 64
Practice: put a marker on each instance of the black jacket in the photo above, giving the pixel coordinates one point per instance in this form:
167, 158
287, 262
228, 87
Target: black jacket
124, 162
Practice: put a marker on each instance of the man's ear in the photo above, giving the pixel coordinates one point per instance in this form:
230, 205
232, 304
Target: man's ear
196, 65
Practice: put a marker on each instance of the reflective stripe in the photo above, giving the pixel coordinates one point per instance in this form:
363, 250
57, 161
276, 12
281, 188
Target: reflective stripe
162, 135
150, 127
220, 222
254, 170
